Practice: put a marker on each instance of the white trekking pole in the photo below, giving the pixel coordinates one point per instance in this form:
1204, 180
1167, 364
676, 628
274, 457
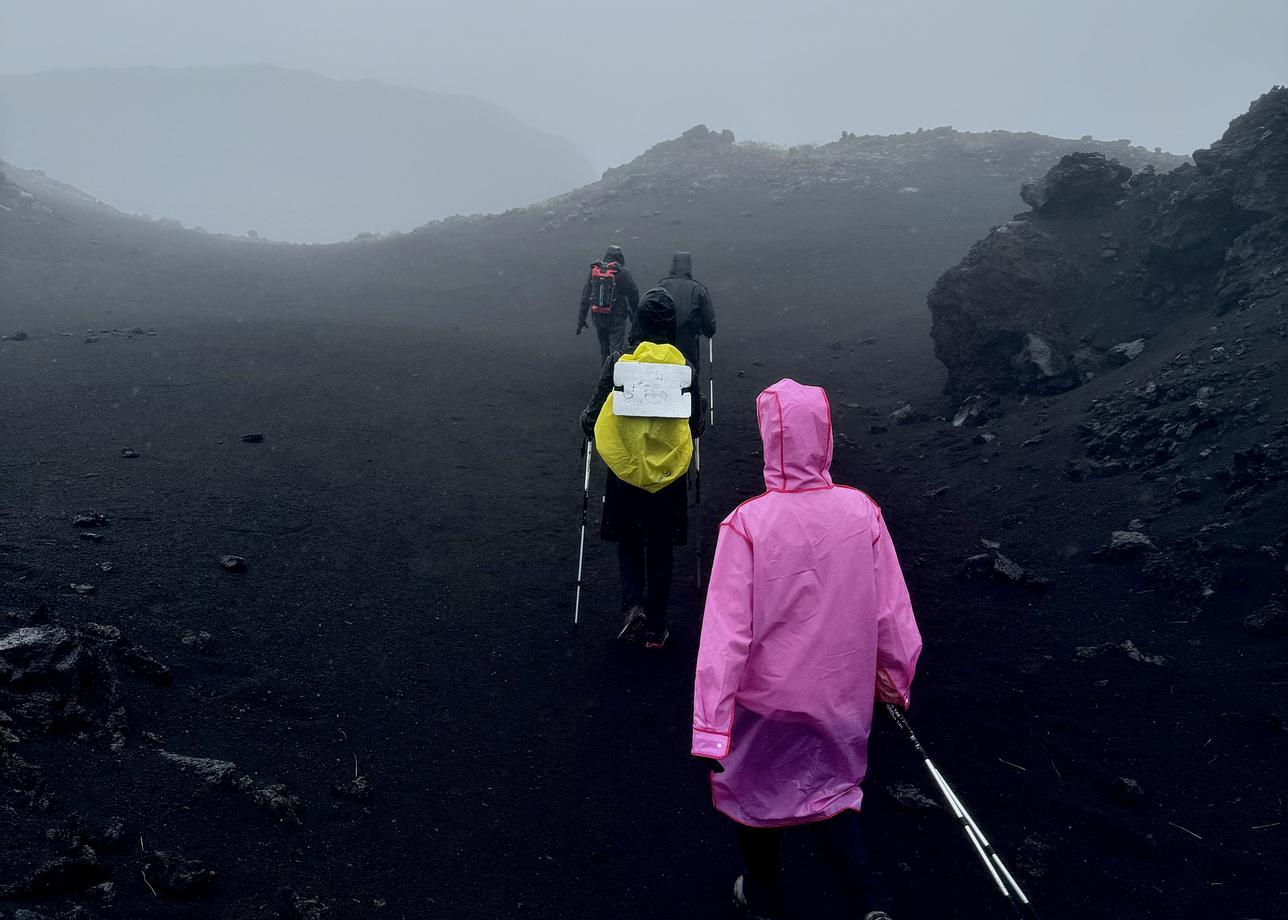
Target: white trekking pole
1006, 884
697, 513
587, 449
711, 380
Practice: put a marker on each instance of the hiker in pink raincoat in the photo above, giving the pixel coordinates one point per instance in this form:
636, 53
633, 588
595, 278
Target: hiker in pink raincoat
807, 621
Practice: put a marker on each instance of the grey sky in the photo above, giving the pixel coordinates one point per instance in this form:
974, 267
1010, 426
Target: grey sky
1167, 74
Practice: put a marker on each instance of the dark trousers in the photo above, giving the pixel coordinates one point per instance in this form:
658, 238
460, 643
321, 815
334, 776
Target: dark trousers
644, 557
609, 327
843, 844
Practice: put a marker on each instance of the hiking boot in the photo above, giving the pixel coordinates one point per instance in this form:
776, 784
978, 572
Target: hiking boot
655, 638
740, 905
633, 626
877, 915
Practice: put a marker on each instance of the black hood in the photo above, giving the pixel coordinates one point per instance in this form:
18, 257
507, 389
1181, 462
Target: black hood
682, 265
615, 254
655, 319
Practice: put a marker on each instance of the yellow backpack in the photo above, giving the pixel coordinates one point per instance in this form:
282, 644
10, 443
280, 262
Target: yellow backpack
650, 453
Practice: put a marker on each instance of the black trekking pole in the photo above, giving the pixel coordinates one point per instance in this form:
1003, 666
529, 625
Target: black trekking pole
587, 449
697, 512
1009, 888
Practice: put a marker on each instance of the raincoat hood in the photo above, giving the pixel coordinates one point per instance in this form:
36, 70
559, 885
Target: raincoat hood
654, 319
682, 265
615, 254
796, 431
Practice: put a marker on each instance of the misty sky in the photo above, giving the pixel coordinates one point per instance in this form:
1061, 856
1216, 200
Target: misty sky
617, 77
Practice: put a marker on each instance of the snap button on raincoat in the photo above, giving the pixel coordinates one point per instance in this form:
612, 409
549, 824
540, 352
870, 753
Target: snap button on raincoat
807, 620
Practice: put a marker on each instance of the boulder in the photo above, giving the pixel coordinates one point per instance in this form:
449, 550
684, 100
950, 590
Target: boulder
1001, 319
1080, 184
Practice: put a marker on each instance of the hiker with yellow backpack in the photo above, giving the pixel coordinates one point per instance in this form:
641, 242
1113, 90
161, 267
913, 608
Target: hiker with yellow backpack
648, 458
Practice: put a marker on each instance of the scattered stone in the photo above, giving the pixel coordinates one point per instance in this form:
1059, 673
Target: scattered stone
107, 568
1126, 351
206, 769
984, 437
18, 336
90, 519
82, 589
233, 563
993, 563
177, 875
304, 906
255, 438
1033, 856
1124, 545
91, 536
358, 788
1126, 646
129, 453
198, 641
272, 797
1270, 619
906, 414
911, 798
59, 876
1126, 791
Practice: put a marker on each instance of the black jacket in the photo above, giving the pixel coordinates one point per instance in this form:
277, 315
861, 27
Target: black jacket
628, 293
695, 314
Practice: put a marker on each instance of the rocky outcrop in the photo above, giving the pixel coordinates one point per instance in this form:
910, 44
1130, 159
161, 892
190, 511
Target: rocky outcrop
1049, 299
1081, 183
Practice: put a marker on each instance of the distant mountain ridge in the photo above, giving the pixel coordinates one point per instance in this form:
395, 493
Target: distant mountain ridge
289, 154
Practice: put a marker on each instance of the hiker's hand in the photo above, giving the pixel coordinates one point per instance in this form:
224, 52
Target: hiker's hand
711, 764
587, 425
581, 324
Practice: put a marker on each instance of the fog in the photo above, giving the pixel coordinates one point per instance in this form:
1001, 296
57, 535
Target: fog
1162, 73
558, 92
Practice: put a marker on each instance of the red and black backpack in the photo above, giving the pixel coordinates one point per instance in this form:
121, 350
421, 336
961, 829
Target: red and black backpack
603, 286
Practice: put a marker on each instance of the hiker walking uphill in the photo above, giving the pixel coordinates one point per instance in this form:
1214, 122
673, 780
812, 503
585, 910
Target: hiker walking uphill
646, 490
807, 620
611, 297
695, 315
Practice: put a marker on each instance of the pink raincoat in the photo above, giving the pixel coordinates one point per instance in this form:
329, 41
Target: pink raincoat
807, 620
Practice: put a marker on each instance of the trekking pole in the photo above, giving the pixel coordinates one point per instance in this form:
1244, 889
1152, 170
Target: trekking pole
711, 380
587, 448
697, 513
992, 862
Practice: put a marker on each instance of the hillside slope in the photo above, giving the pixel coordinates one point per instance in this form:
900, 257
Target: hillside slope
288, 154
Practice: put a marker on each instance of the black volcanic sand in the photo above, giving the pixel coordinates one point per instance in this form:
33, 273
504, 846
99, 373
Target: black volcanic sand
409, 525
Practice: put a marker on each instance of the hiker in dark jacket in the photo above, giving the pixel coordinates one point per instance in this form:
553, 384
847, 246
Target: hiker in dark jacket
612, 321
645, 525
695, 315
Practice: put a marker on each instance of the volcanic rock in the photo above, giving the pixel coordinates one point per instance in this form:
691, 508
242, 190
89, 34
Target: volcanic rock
233, 563
1126, 351
1271, 619
206, 769
18, 336
129, 453
993, 563
256, 438
1125, 544
1126, 791
177, 875
911, 798
90, 519
1080, 183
